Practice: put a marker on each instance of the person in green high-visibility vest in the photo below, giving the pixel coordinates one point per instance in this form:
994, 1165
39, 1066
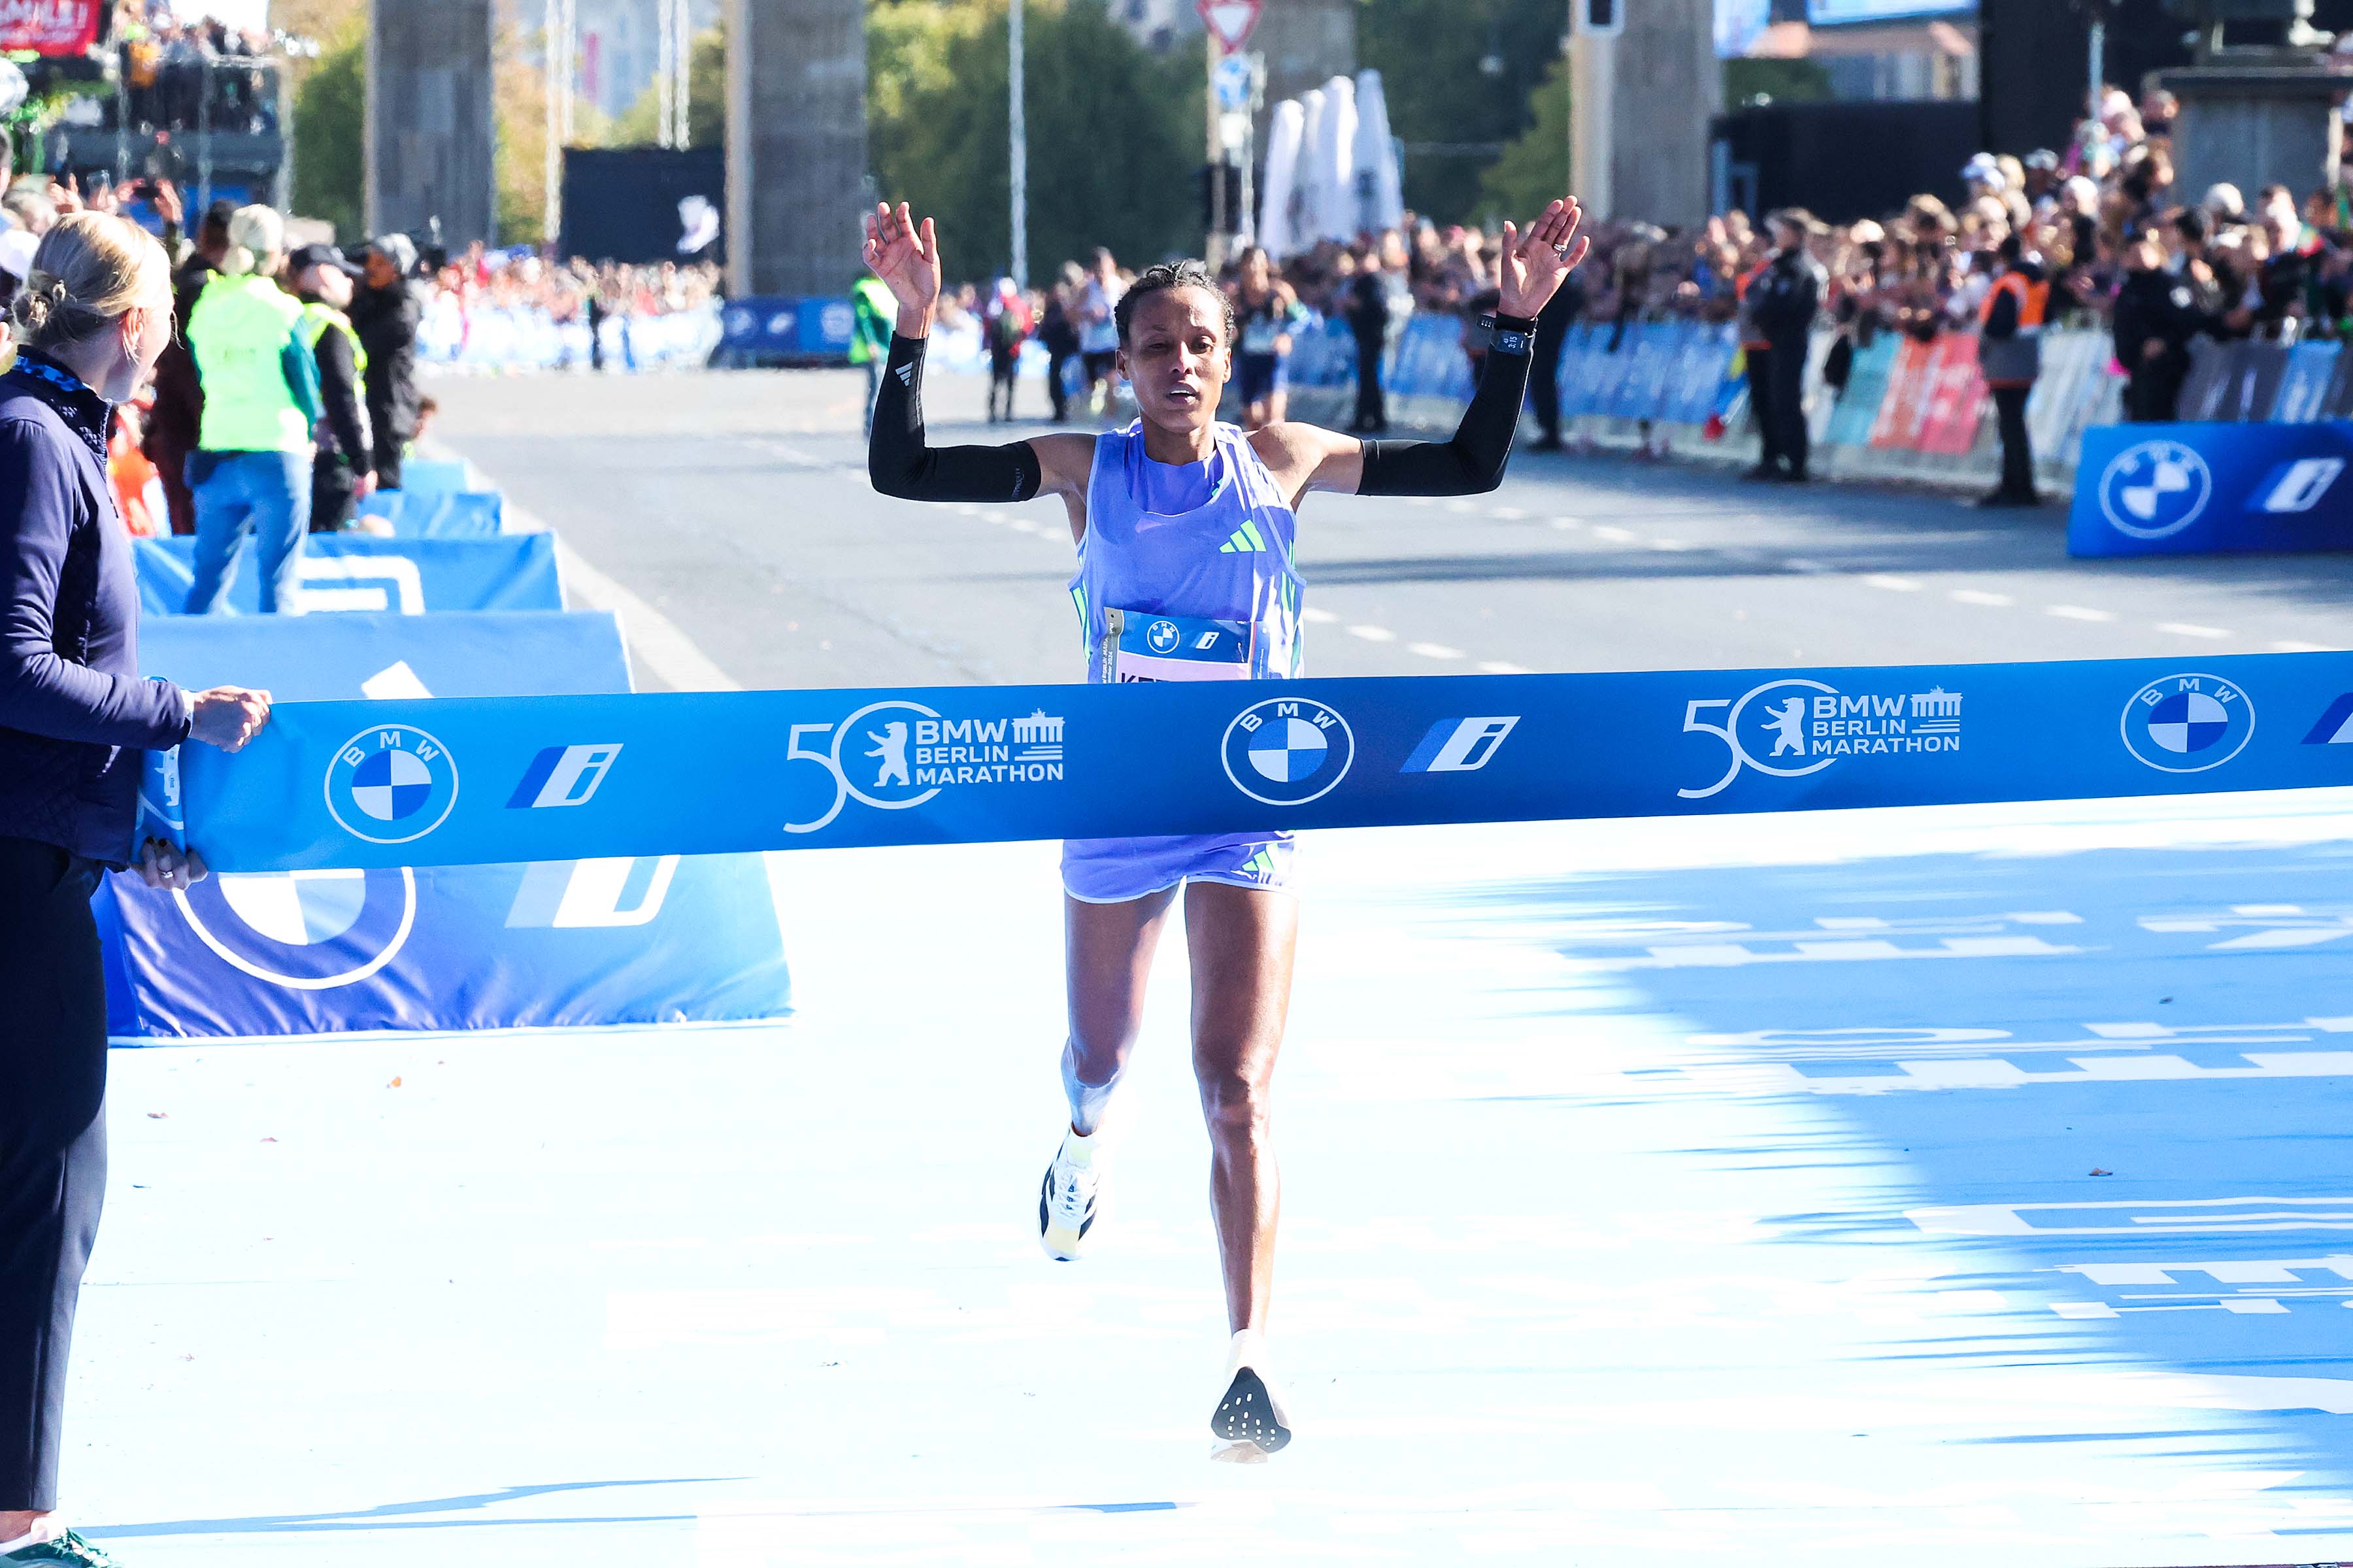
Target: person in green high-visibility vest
343, 473
251, 467
869, 339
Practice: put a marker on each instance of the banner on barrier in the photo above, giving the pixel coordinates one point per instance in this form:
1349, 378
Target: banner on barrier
1897, 427
357, 573
2198, 490
1956, 392
569, 942
352, 784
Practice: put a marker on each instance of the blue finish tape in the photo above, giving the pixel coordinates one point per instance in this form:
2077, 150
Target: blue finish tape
477, 780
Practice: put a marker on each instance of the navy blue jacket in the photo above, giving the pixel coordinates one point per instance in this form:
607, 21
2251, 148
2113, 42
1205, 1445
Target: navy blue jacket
74, 715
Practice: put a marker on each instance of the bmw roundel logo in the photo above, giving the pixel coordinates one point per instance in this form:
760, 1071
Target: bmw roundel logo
391, 785
1161, 635
303, 930
2155, 490
2188, 723
1288, 750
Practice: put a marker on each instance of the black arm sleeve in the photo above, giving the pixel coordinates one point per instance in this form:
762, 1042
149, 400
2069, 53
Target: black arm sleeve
1470, 464
899, 464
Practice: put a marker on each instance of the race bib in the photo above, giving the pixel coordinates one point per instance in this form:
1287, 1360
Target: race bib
1138, 646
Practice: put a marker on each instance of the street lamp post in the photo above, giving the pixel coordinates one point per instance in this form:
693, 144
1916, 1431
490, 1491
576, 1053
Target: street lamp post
1019, 121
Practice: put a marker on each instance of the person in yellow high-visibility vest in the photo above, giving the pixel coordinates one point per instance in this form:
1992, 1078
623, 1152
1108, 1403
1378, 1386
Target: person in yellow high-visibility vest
343, 473
251, 467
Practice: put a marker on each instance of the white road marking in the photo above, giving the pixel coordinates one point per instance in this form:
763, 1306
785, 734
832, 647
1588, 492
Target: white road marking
1980, 596
1433, 650
1615, 535
1318, 618
2185, 629
1893, 585
1669, 544
1373, 634
2301, 648
1799, 563
669, 652
1497, 667
1566, 524
2078, 613
1462, 506
1508, 513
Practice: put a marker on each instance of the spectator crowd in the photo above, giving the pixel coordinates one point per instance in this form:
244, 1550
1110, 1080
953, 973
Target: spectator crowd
2101, 228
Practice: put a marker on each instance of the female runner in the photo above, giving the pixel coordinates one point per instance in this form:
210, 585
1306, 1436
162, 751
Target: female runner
1270, 313
1181, 519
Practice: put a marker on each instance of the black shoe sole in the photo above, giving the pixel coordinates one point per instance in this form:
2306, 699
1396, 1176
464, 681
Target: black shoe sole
1246, 1415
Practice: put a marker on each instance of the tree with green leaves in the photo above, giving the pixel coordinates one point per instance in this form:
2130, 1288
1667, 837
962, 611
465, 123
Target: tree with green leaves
1115, 132
640, 125
1461, 77
1534, 168
328, 135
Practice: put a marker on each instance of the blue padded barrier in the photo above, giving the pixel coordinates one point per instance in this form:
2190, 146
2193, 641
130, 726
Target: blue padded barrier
355, 572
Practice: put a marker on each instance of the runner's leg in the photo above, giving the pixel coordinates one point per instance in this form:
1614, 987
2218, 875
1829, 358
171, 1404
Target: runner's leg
1241, 940
1108, 953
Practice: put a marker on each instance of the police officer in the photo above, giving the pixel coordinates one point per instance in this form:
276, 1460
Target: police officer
1780, 306
344, 472
2010, 355
2156, 314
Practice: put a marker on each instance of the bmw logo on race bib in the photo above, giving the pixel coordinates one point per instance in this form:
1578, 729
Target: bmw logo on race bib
2188, 723
391, 785
2155, 490
1288, 750
1163, 636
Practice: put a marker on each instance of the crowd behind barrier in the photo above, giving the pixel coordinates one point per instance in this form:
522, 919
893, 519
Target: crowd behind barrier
530, 337
1907, 409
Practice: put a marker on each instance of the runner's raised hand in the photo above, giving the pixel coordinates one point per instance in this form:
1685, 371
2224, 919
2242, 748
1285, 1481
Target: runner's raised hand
1535, 263
905, 257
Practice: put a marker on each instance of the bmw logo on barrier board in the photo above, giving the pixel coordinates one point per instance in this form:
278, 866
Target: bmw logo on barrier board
2188, 723
2156, 490
1288, 750
391, 785
306, 931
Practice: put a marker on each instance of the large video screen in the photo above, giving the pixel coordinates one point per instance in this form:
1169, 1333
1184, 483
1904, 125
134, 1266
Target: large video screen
1826, 13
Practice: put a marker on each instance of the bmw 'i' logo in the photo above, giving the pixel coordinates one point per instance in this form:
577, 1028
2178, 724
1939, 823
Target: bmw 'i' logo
1288, 750
2188, 723
391, 785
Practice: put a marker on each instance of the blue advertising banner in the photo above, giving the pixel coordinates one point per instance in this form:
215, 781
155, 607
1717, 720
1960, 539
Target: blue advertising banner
568, 942
819, 327
2200, 489
354, 572
459, 654
439, 514
339, 785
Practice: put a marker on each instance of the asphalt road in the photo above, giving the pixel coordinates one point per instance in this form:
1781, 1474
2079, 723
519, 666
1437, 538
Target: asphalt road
736, 505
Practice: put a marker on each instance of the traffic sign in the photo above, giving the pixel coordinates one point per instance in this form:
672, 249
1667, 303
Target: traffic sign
1231, 22
1233, 81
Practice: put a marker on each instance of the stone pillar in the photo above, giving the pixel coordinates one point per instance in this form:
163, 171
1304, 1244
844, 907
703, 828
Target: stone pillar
1306, 43
429, 136
796, 186
1667, 88
2255, 125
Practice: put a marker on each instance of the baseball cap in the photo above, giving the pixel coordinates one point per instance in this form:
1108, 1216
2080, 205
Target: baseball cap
1983, 167
308, 256
396, 248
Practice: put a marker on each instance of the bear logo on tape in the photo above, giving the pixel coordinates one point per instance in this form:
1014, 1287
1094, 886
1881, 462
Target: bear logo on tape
1796, 726
901, 754
393, 784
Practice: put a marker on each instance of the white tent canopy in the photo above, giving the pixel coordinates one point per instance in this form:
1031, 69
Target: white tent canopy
1379, 187
1278, 229
1335, 161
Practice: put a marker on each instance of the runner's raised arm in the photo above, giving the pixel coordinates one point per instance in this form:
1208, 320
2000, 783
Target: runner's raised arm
899, 460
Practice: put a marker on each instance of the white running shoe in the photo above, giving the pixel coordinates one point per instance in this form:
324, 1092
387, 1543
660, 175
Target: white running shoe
1066, 1203
1249, 1421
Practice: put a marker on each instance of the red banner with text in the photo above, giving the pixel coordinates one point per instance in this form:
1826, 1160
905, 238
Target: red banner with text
50, 26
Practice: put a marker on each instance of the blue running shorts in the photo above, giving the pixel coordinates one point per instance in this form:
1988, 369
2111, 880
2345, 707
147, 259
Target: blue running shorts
1113, 871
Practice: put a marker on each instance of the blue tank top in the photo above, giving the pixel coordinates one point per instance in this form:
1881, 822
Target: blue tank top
1209, 593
